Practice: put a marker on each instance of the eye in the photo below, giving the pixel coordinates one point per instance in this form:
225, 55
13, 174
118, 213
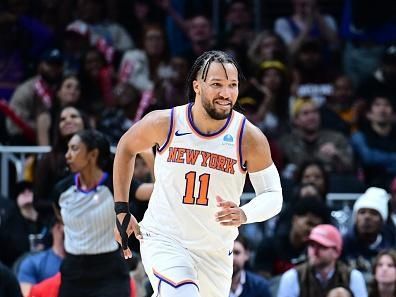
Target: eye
216, 84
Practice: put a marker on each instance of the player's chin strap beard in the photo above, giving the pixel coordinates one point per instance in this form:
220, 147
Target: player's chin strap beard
123, 207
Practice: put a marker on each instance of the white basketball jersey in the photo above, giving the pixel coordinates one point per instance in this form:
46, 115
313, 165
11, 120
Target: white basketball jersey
191, 169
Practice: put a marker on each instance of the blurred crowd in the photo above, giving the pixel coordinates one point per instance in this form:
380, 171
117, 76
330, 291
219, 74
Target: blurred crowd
320, 83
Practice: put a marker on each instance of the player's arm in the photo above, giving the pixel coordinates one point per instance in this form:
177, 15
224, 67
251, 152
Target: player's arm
265, 180
151, 130
263, 175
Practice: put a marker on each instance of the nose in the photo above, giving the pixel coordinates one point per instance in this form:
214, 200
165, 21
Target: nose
225, 92
67, 155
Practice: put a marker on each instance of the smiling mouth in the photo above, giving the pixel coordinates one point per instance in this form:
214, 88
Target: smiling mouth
222, 102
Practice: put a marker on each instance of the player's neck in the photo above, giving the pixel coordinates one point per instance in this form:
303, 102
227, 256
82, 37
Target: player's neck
204, 122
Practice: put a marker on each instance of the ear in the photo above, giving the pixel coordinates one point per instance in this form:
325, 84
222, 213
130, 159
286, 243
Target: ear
196, 87
247, 255
94, 154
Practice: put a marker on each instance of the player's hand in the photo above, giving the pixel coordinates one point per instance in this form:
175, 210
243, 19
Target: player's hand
230, 213
133, 227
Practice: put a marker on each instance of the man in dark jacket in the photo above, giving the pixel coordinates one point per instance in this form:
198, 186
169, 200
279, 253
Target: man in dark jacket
245, 283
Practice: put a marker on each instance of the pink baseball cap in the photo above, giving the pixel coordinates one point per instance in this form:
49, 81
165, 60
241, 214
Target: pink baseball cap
327, 235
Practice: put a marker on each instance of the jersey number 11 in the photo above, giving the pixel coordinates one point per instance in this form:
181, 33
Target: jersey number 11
188, 197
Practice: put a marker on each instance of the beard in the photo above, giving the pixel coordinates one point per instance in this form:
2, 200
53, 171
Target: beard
213, 113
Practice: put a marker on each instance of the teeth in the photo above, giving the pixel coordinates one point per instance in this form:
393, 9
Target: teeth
223, 102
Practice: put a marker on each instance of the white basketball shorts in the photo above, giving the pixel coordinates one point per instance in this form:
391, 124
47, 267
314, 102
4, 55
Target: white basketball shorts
166, 260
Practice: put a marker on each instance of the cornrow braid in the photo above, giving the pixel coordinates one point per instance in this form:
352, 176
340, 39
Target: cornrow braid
201, 65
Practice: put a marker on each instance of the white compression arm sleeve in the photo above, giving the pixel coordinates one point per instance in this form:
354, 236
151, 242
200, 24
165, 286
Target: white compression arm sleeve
268, 200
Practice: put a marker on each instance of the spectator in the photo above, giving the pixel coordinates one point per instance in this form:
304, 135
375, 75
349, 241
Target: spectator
54, 14
178, 17
32, 36
137, 15
86, 204
75, 42
201, 38
287, 248
170, 91
265, 102
34, 268
22, 221
135, 69
312, 76
308, 140
342, 110
68, 92
238, 30
51, 167
384, 272
391, 222
323, 271
375, 143
313, 172
96, 79
383, 80
9, 285
12, 55
366, 30
340, 292
142, 170
102, 29
155, 47
266, 46
6, 209
116, 120
33, 99
305, 22
244, 282
368, 234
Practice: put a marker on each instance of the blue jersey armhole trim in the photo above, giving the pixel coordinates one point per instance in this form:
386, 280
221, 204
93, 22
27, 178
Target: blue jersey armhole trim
160, 149
243, 165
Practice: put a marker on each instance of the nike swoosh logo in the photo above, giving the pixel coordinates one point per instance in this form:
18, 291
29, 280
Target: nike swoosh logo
182, 133
229, 253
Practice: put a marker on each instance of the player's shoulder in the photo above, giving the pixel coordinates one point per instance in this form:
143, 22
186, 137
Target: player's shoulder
162, 118
158, 116
252, 135
155, 121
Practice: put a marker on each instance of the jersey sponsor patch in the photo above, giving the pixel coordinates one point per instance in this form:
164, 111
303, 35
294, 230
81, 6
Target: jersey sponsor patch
228, 140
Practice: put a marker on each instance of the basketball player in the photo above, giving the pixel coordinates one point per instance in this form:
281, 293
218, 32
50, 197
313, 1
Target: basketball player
204, 150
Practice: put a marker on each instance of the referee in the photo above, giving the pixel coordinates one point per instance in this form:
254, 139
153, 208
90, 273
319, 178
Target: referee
93, 265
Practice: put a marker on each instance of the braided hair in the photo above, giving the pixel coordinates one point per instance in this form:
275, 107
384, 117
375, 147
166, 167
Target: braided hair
201, 67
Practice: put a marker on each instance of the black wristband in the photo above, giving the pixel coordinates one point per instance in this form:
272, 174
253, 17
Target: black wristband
121, 207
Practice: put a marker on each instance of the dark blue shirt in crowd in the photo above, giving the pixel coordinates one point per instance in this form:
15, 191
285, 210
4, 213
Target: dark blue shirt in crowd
253, 285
